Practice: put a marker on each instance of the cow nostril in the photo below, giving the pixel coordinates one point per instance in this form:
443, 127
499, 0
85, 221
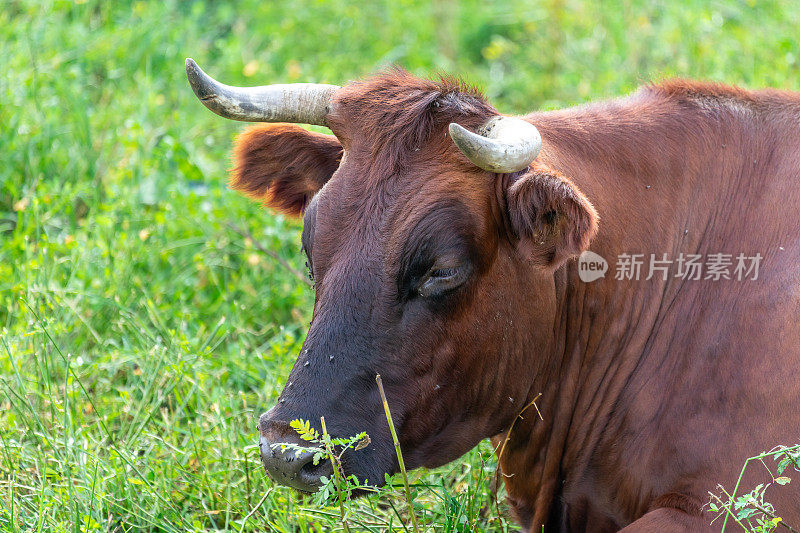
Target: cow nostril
312, 473
295, 468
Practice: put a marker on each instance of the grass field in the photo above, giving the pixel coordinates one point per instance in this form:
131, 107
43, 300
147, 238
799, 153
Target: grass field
141, 335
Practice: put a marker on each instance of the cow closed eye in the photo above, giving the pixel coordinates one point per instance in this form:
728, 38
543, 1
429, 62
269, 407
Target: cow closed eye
443, 279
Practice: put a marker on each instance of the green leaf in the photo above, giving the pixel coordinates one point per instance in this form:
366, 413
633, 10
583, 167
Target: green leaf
744, 513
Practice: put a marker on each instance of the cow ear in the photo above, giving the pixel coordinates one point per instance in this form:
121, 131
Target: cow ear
283, 165
550, 216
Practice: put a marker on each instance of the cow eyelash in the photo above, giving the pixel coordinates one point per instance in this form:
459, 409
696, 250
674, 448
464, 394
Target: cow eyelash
440, 281
443, 272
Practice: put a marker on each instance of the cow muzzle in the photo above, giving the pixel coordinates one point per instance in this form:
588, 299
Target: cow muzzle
288, 465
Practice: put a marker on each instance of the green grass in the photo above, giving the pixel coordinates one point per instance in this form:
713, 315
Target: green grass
141, 336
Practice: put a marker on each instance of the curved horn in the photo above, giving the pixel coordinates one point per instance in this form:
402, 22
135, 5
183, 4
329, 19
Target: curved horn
305, 103
502, 145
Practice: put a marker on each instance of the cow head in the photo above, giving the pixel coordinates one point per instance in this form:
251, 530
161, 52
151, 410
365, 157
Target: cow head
433, 251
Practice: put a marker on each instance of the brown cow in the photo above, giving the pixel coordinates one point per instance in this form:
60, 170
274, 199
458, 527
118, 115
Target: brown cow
442, 262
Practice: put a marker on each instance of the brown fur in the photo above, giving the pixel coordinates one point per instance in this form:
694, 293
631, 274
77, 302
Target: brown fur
652, 391
283, 165
399, 113
551, 215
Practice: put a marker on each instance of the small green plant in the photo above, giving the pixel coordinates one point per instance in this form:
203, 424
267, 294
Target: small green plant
752, 511
338, 487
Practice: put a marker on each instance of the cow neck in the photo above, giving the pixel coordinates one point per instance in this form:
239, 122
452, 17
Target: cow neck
634, 169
